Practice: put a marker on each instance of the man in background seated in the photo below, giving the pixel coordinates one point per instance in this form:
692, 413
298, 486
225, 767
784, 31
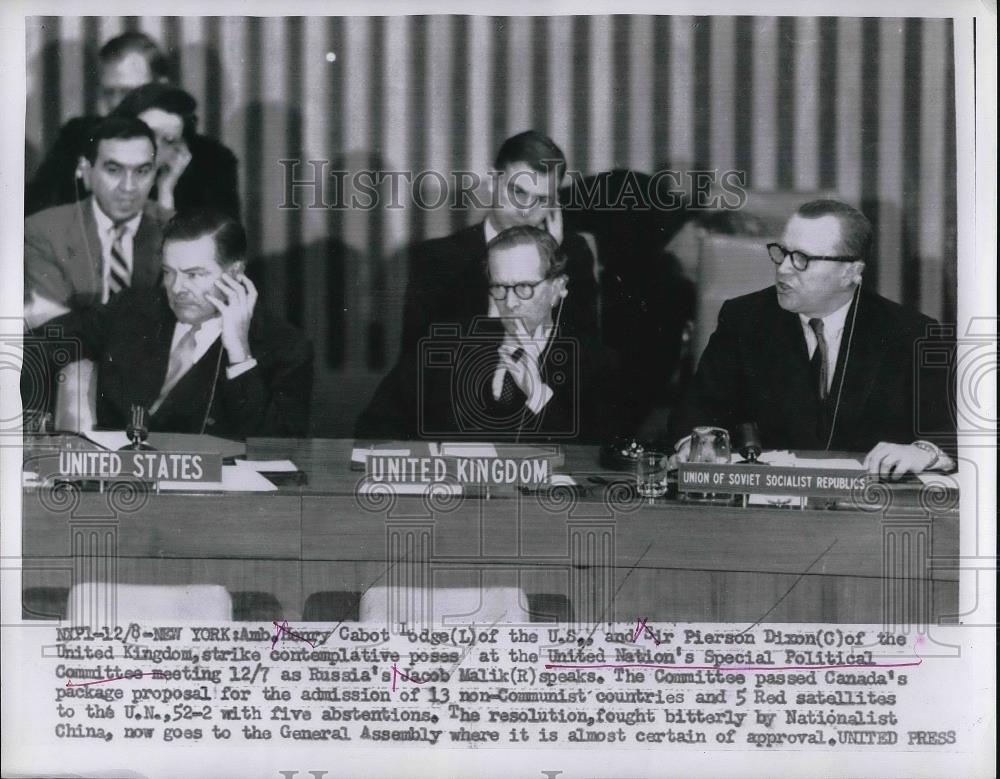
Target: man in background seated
446, 282
197, 352
126, 62
518, 375
818, 363
83, 253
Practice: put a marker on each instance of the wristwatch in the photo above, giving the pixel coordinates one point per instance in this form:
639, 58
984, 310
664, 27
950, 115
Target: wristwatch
927, 446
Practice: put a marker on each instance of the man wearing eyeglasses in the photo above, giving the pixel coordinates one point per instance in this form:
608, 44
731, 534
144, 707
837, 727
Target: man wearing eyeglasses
446, 284
821, 364
518, 374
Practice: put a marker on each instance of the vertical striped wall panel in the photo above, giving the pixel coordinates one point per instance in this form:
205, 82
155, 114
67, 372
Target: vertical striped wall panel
863, 107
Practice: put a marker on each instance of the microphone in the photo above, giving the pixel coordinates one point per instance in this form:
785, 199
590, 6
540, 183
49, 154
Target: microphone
138, 428
750, 447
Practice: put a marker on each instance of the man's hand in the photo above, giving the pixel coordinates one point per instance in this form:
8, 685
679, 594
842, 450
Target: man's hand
894, 461
525, 373
240, 297
553, 224
173, 167
681, 455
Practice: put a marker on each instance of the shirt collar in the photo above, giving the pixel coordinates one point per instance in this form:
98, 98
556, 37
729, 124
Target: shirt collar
210, 329
489, 230
104, 223
832, 323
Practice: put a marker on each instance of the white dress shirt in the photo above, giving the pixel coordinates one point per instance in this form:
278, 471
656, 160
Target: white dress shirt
833, 331
106, 232
207, 335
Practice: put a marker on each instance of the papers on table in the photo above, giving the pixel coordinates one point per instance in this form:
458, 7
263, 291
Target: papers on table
948, 481
468, 450
788, 459
109, 439
835, 463
235, 478
269, 466
360, 455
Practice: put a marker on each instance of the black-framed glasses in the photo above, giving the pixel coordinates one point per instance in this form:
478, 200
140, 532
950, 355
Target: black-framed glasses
525, 290
801, 260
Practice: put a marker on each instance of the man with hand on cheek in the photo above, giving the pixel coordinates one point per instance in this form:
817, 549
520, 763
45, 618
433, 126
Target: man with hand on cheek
198, 354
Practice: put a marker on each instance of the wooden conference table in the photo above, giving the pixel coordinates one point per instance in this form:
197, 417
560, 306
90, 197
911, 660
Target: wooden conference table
612, 555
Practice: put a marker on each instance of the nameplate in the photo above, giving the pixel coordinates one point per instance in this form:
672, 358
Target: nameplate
139, 466
771, 480
382, 469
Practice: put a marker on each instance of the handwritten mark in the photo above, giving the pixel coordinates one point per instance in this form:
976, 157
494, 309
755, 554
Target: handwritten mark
396, 672
788, 592
734, 669
154, 674
641, 627
281, 629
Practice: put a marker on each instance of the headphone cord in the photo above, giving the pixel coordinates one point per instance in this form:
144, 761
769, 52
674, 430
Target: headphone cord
843, 373
211, 397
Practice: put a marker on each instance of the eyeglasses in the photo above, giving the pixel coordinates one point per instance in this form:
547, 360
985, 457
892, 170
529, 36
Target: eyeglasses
801, 260
525, 290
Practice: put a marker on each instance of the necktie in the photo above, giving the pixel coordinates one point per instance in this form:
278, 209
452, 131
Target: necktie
181, 360
119, 276
819, 362
507, 392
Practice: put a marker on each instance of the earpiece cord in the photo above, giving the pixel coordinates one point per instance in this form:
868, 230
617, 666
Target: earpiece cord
211, 397
843, 373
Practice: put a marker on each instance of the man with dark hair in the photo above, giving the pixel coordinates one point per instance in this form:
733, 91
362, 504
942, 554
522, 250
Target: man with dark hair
446, 283
83, 253
193, 171
127, 62
820, 364
518, 375
197, 353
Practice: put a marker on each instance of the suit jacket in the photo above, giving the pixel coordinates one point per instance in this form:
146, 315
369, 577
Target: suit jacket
211, 178
756, 369
442, 390
63, 259
130, 340
448, 284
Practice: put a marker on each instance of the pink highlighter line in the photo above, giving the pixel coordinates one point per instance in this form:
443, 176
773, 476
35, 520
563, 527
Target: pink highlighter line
747, 669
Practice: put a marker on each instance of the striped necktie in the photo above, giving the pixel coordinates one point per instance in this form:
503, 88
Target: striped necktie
119, 277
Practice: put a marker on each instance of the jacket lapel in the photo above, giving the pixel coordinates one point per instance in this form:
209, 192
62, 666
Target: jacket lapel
86, 253
789, 390
857, 363
146, 251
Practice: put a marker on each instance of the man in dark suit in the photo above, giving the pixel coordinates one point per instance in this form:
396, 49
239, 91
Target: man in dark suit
518, 375
446, 282
197, 353
820, 364
81, 254
127, 62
